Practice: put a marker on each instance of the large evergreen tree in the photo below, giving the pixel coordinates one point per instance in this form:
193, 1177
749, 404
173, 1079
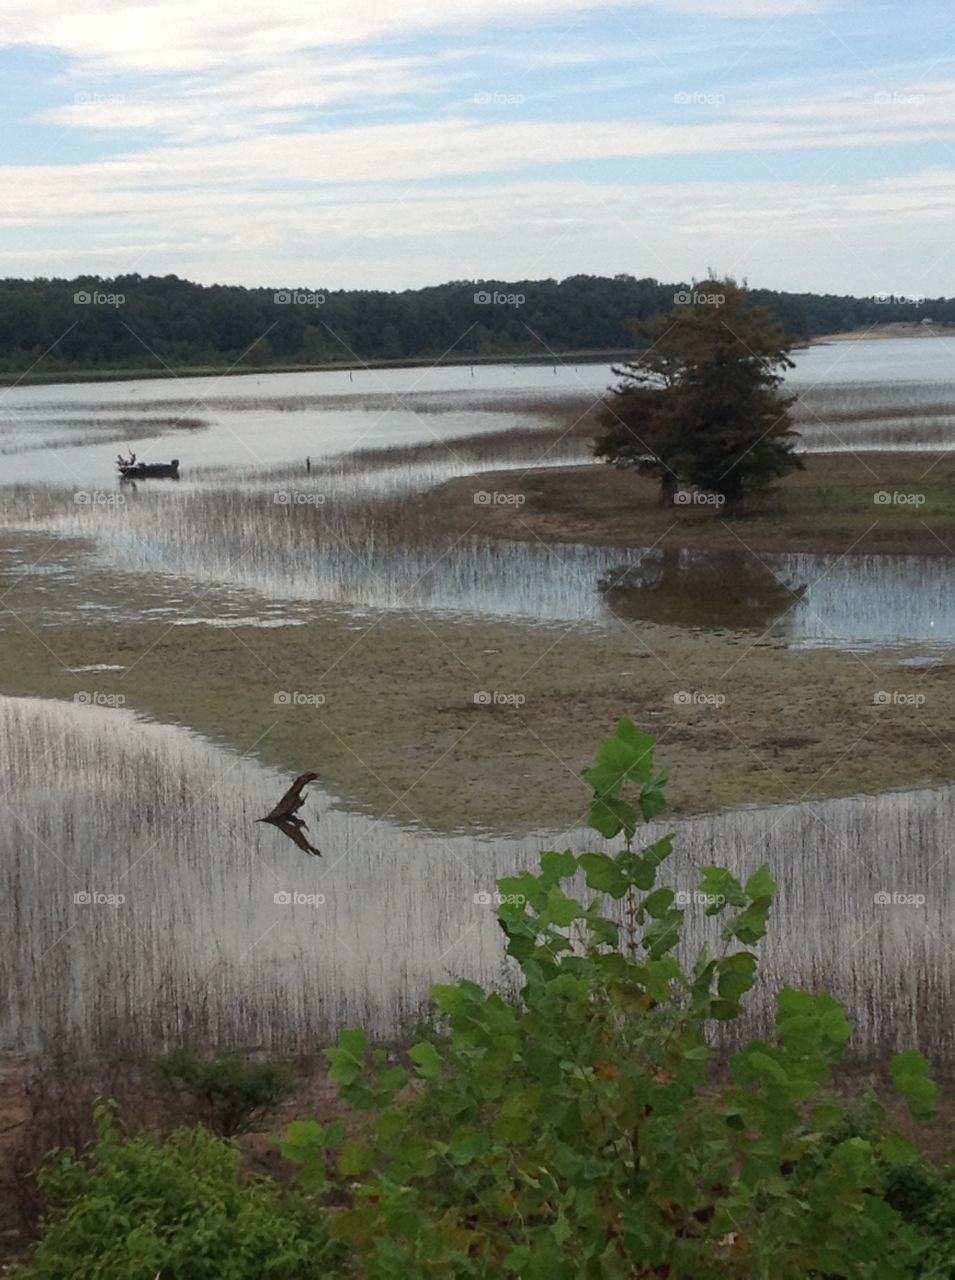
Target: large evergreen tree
702, 403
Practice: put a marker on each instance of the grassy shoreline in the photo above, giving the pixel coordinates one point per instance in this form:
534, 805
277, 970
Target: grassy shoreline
829, 508
67, 376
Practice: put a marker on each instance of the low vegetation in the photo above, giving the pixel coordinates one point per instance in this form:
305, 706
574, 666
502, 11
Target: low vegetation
225, 1091
579, 1127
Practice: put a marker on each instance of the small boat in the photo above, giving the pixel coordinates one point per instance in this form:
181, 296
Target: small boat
130, 469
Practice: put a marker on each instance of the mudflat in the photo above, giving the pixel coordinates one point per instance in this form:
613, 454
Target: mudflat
453, 724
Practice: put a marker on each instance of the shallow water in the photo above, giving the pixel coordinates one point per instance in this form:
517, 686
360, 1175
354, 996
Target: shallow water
230, 557
142, 903
265, 419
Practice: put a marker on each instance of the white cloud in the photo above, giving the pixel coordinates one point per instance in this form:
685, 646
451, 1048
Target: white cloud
177, 35
827, 236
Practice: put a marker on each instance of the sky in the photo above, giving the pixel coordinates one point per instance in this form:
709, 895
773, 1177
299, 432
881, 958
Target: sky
796, 144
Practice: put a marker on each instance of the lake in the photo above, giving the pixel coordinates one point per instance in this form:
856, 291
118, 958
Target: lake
253, 527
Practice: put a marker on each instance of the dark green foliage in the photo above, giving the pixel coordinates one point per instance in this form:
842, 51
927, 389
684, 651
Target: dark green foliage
227, 1093
165, 321
701, 405
577, 1130
925, 1197
573, 1131
132, 1209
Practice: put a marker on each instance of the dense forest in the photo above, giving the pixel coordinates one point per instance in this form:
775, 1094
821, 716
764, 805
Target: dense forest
143, 322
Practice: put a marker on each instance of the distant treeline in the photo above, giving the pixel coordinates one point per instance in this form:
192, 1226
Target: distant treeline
137, 322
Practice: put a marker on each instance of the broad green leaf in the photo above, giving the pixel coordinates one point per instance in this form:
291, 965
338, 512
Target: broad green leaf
558, 865
910, 1075
659, 902
355, 1158
610, 816
425, 1057
561, 909
761, 884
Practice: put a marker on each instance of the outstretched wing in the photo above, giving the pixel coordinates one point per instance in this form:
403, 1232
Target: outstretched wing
293, 799
294, 828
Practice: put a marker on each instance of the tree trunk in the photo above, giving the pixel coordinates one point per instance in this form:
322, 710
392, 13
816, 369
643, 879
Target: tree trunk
668, 487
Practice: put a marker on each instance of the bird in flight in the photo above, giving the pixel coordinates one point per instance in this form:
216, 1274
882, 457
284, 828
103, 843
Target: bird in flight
285, 814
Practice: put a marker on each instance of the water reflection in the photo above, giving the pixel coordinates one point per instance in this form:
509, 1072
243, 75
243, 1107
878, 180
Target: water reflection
720, 589
249, 555
143, 902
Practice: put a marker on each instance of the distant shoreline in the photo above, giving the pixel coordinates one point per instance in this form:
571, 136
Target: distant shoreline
880, 333
65, 377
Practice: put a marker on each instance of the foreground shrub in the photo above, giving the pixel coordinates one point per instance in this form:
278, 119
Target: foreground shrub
572, 1132
227, 1093
60, 1094
135, 1208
